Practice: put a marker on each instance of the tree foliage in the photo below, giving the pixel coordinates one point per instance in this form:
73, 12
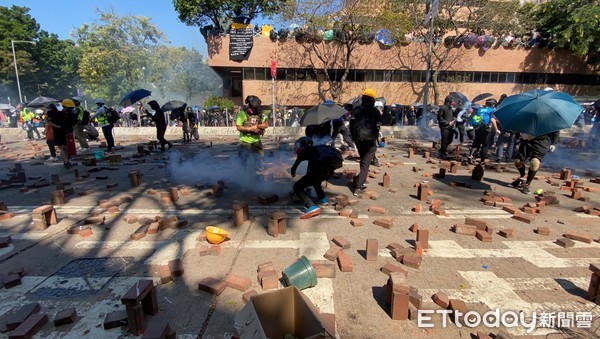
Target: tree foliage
220, 13
572, 24
222, 102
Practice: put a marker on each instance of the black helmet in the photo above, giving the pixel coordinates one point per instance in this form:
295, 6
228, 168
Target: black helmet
301, 143
491, 102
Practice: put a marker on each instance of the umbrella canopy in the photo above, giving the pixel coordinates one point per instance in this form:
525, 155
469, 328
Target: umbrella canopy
212, 108
133, 96
319, 114
482, 96
597, 103
6, 106
538, 112
128, 109
171, 105
458, 96
41, 102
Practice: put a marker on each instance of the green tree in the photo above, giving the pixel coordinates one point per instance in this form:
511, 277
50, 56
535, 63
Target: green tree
58, 65
116, 52
220, 13
573, 24
222, 102
17, 24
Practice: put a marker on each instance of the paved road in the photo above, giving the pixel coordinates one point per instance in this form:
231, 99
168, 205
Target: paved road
527, 273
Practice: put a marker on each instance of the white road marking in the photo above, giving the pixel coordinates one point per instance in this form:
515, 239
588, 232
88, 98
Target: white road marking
24, 236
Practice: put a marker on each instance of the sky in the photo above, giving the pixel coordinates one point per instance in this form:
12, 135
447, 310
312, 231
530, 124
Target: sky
63, 16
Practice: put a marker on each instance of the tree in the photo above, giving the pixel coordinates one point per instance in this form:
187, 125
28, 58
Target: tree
220, 13
17, 24
351, 23
115, 53
572, 24
221, 102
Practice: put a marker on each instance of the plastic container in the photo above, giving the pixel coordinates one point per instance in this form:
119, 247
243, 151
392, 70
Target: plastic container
300, 274
98, 155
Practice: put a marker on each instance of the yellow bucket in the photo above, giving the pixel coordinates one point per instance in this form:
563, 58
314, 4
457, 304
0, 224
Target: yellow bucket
215, 235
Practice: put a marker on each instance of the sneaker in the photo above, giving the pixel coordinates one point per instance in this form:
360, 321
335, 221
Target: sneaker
525, 189
323, 202
358, 192
312, 211
51, 159
516, 184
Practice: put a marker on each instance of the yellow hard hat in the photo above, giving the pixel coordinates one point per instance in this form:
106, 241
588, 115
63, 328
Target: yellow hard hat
370, 93
67, 103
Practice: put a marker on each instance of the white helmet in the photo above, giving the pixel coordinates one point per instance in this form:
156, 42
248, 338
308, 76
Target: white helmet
100, 101
378, 104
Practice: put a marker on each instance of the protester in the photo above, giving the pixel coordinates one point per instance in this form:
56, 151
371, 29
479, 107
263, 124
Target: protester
461, 119
27, 117
62, 123
251, 123
160, 122
446, 123
193, 119
185, 123
320, 168
533, 149
411, 116
107, 128
50, 134
364, 127
82, 121
483, 123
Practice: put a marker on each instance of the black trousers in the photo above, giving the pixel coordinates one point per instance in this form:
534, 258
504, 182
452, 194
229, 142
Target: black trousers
312, 178
366, 150
460, 130
481, 141
110, 140
447, 137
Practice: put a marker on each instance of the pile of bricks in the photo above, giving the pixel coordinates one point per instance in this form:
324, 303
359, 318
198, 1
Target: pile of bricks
587, 209
267, 276
436, 207
490, 199
150, 226
483, 230
168, 272
410, 257
276, 224
404, 300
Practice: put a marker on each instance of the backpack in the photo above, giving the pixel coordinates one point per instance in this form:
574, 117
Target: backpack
363, 129
330, 156
111, 115
86, 117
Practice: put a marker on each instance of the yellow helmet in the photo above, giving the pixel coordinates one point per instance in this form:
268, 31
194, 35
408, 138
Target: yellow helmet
370, 93
67, 103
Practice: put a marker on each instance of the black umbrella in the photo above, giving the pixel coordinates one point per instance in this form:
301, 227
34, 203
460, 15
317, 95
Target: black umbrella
133, 96
173, 104
319, 114
41, 102
482, 96
597, 103
459, 96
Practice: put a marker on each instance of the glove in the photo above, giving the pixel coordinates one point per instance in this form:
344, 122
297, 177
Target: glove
552, 148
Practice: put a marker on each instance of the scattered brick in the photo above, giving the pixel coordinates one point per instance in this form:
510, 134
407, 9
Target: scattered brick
212, 285
411, 260
11, 280
386, 222
507, 232
480, 224
389, 268
20, 315
414, 228
332, 253
238, 282
270, 281
356, 222
399, 306
543, 230
441, 299
524, 218
341, 242
417, 208
579, 236
176, 267
483, 236
458, 305
423, 238
465, 229
5, 241
565, 242
377, 209
344, 262
372, 249
248, 295
30, 326
115, 319
64, 317
324, 269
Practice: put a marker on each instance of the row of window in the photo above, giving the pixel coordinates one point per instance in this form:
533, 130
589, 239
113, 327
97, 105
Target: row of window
300, 74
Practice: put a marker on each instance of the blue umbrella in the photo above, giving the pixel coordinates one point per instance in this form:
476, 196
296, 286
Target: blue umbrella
133, 96
538, 112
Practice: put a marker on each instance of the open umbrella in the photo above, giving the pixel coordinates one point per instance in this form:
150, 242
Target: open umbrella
597, 103
482, 96
319, 114
171, 105
459, 96
133, 96
538, 112
6, 106
213, 108
128, 109
41, 102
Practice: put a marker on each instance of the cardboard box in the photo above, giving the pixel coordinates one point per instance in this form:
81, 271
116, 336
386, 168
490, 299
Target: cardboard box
277, 313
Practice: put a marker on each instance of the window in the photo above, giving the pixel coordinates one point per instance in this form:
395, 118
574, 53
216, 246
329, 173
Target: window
281, 74
378, 76
249, 73
259, 73
360, 75
387, 76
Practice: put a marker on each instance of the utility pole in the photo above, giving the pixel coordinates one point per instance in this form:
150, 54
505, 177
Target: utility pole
12, 43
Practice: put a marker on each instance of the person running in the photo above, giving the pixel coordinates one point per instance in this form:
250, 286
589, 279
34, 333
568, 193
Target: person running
251, 123
107, 127
62, 123
364, 127
483, 124
27, 117
78, 131
323, 160
161, 124
446, 123
533, 149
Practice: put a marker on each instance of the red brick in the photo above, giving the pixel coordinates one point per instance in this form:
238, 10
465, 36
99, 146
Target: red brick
342, 242
332, 253
29, 327
176, 267
423, 238
579, 236
248, 295
483, 236
465, 229
324, 269
414, 228
417, 208
564, 242
507, 232
344, 262
524, 218
238, 282
458, 305
543, 230
273, 227
328, 321
212, 285
399, 306
66, 316
115, 319
270, 281
386, 222
5, 241
480, 224
510, 209
441, 299
11, 279
372, 250
165, 274
356, 222
583, 208
153, 228
411, 260
377, 209
595, 268
389, 268
345, 213
592, 291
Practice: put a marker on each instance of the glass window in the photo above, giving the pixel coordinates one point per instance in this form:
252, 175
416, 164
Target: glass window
378, 76
249, 73
511, 77
387, 76
281, 74
320, 75
397, 76
502, 77
360, 75
259, 73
